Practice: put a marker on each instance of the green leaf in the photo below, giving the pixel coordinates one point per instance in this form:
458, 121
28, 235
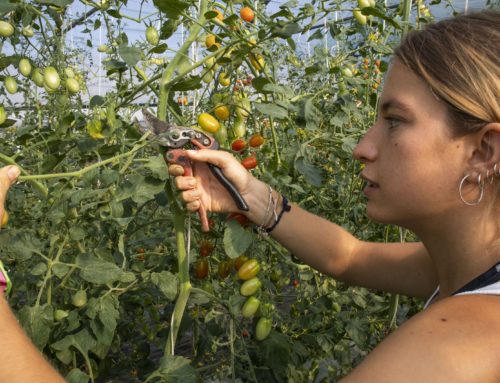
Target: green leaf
192, 83
272, 110
83, 341
311, 173
7, 7
58, 3
96, 101
177, 369
285, 30
77, 376
37, 321
275, 353
236, 239
166, 282
312, 115
95, 270
131, 55
20, 244
157, 166
357, 331
172, 8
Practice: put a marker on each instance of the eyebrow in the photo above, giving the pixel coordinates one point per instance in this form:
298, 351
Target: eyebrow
394, 104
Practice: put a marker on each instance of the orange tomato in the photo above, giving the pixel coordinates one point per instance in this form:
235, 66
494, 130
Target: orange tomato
256, 140
247, 14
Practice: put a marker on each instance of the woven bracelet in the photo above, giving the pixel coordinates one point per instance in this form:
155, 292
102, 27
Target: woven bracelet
285, 208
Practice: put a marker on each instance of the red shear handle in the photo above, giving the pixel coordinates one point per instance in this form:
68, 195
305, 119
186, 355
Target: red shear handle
179, 157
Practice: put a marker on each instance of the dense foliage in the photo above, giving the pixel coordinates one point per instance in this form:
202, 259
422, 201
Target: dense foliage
112, 281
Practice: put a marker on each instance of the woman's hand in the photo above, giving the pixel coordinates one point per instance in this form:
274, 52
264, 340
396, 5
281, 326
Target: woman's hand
205, 188
8, 176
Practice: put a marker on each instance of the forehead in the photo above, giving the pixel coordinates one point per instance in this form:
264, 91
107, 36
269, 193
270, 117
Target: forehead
404, 88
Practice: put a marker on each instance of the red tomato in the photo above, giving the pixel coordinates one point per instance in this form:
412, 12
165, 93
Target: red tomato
240, 218
256, 140
247, 14
238, 145
206, 248
201, 268
249, 162
224, 269
238, 262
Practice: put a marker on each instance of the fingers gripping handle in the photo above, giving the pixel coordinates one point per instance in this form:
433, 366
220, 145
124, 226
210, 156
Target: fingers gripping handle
228, 185
179, 157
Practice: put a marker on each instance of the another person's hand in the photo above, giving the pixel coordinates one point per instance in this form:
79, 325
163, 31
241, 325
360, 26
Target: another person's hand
205, 187
8, 176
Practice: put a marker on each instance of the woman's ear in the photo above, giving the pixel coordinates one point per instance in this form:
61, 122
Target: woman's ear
487, 152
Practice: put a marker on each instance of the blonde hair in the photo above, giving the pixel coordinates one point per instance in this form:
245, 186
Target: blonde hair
459, 58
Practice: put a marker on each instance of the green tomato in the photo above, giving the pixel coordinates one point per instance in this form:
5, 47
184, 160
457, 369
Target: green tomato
152, 35
239, 127
364, 3
25, 67
72, 85
263, 328
250, 307
3, 115
59, 315
28, 31
79, 299
103, 48
250, 286
362, 19
51, 78
37, 77
221, 135
346, 72
69, 72
243, 107
10, 84
6, 29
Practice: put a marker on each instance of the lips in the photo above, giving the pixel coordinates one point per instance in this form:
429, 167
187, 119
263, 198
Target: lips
369, 181
371, 186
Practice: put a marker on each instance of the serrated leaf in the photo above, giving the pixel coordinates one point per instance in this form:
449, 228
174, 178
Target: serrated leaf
192, 83
58, 3
287, 30
177, 369
7, 7
131, 55
311, 173
77, 376
172, 8
236, 239
37, 321
98, 271
272, 110
166, 282
158, 167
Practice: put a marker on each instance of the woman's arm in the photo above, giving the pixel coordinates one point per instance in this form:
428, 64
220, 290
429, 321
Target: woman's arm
400, 268
20, 360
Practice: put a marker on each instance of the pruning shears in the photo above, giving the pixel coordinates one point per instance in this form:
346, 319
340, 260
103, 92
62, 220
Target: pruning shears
175, 138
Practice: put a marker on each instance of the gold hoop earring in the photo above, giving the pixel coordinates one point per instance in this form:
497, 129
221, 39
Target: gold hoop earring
480, 183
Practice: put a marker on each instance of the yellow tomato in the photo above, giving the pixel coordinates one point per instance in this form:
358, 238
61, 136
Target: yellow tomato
208, 123
224, 79
222, 112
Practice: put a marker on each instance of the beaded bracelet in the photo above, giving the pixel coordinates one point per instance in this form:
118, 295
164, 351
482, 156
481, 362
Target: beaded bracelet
5, 282
285, 208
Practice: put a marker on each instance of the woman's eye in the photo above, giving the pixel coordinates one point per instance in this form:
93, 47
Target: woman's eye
393, 122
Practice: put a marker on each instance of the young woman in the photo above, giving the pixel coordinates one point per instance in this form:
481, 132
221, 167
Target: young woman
432, 165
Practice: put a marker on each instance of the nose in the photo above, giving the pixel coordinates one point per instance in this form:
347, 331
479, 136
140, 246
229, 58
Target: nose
366, 149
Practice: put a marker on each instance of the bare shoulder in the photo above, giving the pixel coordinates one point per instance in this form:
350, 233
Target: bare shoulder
454, 340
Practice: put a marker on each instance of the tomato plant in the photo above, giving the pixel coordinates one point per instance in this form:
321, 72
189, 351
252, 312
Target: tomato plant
99, 230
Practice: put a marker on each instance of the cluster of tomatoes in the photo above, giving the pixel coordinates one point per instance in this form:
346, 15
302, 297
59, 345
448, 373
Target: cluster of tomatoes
246, 270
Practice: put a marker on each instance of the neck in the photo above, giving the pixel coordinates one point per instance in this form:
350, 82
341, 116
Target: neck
463, 249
